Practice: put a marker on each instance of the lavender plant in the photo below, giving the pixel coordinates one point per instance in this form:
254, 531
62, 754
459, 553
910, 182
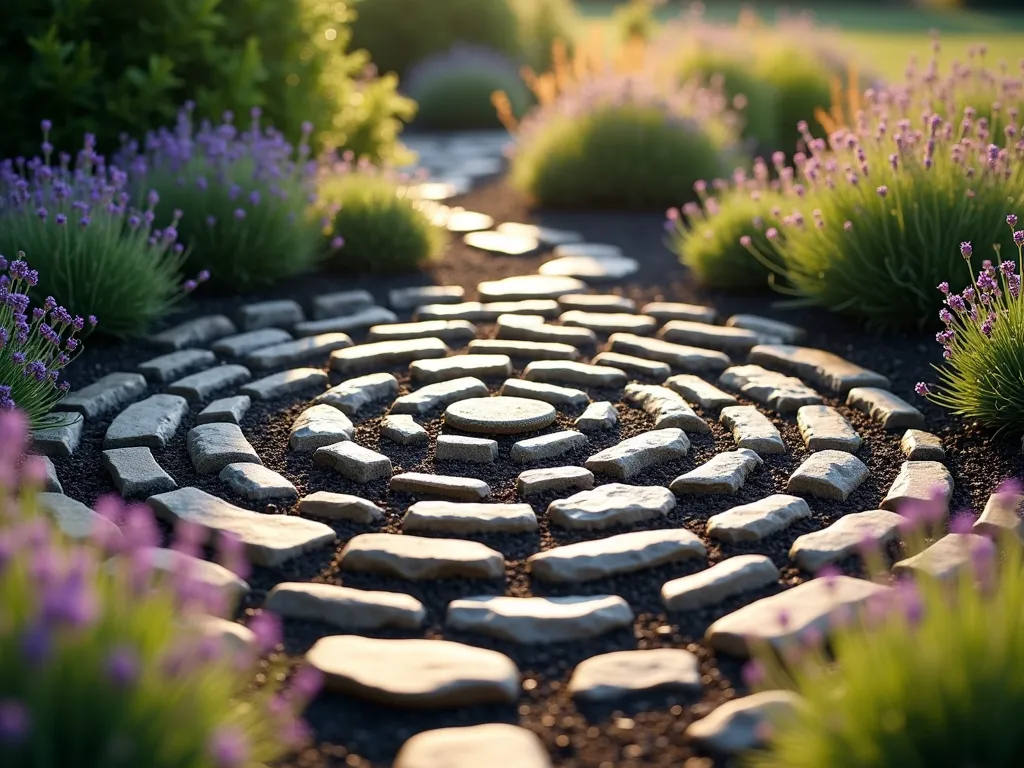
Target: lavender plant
102, 665
94, 252
245, 197
376, 225
926, 675
982, 374
623, 141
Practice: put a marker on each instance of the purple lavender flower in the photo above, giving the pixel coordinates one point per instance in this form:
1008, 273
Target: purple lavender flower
15, 722
122, 666
1018, 237
922, 389
966, 250
228, 748
1011, 219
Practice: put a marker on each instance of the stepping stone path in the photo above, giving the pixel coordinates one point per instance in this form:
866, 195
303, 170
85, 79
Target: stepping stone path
759, 519
781, 393
445, 486
298, 351
402, 429
476, 450
554, 479
789, 334
610, 505
634, 365
473, 746
592, 268
667, 310
149, 423
732, 576
244, 343
614, 555
136, 473
679, 356
449, 331
828, 475
546, 446
213, 446
105, 395
176, 364
546, 235
536, 620
463, 518
257, 483
820, 368
458, 367
846, 536
367, 358
824, 429
524, 350
523, 287
724, 473
951, 555
59, 435
497, 242
364, 318
439, 395
352, 395
695, 390
229, 409
589, 302
666, 407
887, 409
195, 333
524, 328
635, 454
610, 322
920, 483
1001, 516
340, 506
345, 608
415, 557
353, 461
548, 393
918, 445
200, 386
285, 383
341, 303
720, 337
738, 726
319, 426
612, 676
75, 520
267, 314
752, 429
598, 416
575, 374
405, 299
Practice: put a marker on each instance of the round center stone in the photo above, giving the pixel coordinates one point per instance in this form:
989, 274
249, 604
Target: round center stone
499, 415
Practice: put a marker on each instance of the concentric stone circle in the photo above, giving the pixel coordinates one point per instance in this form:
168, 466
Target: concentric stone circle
501, 415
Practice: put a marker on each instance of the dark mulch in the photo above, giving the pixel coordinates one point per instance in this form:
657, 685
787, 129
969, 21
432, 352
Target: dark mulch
637, 733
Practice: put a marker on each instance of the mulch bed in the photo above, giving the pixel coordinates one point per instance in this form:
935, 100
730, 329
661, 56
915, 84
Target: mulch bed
637, 733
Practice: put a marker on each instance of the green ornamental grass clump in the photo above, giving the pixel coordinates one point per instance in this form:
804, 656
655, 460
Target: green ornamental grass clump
95, 252
102, 660
245, 196
620, 142
376, 224
802, 85
542, 23
926, 676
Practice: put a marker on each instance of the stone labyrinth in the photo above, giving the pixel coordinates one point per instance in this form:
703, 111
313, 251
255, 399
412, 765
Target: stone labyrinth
531, 514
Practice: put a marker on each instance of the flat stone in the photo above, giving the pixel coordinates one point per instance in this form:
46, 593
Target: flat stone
720, 337
456, 332
546, 235
75, 520
523, 328
887, 409
554, 479
844, 538
367, 358
820, 368
310, 348
285, 383
459, 367
420, 674
666, 407
592, 250
728, 578
200, 386
362, 318
475, 450
524, 350
618, 674
724, 473
173, 564
612, 504
597, 417
918, 445
529, 287
211, 447
173, 365
920, 482
468, 517
547, 446
489, 312
59, 435
615, 555
149, 423
781, 393
608, 323
416, 557
738, 726
781, 619
650, 369
823, 428
319, 426
757, 520
244, 343
640, 452
536, 620
695, 390
752, 429
352, 395
445, 486
340, 506
229, 635
270, 540
404, 299
459, 220
679, 356
230, 409
828, 475
765, 326
267, 314
576, 374
1001, 516
668, 310
589, 302
947, 558
401, 429
257, 483
104, 395
473, 746
194, 333
548, 393
135, 472
346, 608
51, 482
341, 303
497, 242
591, 268
354, 462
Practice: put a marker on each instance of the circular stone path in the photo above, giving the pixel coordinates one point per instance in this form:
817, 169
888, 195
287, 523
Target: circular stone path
499, 415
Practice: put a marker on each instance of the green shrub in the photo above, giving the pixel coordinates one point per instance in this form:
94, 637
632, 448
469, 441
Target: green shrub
634, 20
245, 198
542, 23
101, 664
376, 227
108, 67
982, 376
399, 33
926, 676
94, 252
613, 142
453, 90
802, 84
